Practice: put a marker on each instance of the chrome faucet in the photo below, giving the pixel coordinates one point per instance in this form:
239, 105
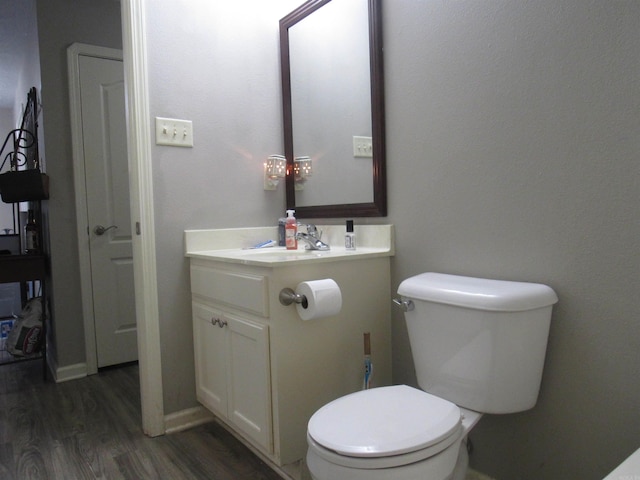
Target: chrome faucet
312, 238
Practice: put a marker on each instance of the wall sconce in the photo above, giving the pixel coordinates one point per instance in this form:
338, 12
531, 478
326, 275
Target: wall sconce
302, 169
274, 169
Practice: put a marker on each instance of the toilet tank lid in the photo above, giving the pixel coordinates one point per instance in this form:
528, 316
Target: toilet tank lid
477, 293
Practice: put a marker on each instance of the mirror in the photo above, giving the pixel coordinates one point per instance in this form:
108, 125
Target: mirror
333, 97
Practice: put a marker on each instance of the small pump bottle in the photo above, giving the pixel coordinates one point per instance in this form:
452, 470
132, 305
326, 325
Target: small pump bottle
290, 231
350, 237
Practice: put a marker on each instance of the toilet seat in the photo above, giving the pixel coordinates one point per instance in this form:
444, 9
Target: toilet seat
384, 427
384, 463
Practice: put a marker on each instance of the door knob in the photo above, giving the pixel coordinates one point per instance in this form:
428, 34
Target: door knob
100, 230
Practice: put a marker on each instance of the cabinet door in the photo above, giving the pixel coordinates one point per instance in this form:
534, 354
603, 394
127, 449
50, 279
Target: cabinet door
211, 358
250, 385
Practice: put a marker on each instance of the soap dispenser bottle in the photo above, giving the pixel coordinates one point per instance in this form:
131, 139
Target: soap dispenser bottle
290, 231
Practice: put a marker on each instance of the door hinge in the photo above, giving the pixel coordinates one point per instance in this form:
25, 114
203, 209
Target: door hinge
137, 228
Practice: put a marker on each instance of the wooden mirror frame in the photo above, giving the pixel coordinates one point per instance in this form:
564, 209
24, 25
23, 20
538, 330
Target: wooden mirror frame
377, 208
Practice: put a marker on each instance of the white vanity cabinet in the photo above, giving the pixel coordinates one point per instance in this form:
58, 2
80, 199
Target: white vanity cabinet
232, 370
231, 339
261, 369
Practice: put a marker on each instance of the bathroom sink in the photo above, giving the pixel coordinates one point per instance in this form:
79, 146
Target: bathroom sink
280, 254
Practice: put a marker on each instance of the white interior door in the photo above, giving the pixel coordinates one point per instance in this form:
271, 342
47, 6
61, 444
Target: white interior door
106, 176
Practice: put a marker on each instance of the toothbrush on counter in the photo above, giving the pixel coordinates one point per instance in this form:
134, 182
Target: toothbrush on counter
265, 244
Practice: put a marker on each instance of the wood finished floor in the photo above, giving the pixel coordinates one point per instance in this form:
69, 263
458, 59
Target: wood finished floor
91, 429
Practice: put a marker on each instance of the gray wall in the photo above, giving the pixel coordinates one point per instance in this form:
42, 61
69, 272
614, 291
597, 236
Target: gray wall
512, 135
513, 146
219, 67
7, 123
25, 38
61, 23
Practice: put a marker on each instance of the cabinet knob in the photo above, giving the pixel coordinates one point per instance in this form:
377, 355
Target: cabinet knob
218, 321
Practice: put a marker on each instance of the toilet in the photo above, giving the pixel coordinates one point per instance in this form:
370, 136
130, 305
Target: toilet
478, 347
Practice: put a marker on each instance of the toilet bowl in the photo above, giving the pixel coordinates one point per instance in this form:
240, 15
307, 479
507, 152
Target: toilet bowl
478, 347
391, 433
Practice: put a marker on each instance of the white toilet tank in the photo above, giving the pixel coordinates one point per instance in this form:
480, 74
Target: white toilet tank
478, 343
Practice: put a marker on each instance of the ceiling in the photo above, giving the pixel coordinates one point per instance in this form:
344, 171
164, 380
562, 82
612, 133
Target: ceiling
17, 24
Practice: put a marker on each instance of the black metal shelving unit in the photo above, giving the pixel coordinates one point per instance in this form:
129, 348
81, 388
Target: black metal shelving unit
22, 182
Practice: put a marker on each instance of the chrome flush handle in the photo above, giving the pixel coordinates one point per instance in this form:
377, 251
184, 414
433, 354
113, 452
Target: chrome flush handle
404, 305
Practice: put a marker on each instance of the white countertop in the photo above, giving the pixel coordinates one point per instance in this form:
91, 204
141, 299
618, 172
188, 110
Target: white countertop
231, 245
279, 256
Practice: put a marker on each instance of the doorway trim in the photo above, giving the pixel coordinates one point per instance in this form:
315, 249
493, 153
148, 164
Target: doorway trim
141, 208
139, 136
136, 80
74, 52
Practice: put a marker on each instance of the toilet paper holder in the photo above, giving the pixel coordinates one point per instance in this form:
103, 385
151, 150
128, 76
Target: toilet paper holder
288, 296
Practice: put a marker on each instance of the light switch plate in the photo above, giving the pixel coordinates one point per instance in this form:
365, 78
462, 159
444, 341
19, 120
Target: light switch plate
362, 147
174, 132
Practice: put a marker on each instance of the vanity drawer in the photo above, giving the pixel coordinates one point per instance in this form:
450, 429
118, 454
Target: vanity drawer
240, 290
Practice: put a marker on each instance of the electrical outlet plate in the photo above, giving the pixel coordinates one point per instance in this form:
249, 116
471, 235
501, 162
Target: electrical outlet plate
362, 147
174, 132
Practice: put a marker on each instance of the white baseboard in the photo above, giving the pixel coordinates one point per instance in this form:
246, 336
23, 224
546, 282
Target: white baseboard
70, 372
64, 374
184, 419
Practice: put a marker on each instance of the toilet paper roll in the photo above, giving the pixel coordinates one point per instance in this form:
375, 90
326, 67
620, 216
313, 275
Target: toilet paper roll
324, 299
